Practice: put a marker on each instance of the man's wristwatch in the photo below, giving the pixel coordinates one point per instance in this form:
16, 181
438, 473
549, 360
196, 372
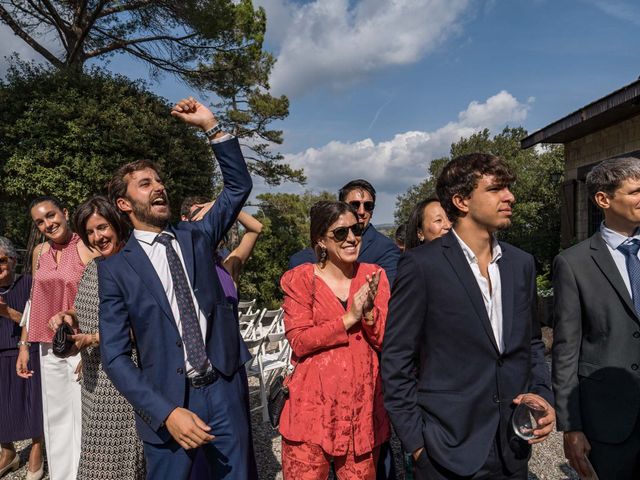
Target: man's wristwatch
22, 343
213, 131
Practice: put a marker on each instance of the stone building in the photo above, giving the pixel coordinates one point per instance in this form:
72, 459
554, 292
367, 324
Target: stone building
606, 128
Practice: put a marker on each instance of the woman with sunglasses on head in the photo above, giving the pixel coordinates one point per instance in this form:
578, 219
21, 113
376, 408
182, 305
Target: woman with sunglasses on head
427, 221
110, 446
334, 315
57, 266
20, 399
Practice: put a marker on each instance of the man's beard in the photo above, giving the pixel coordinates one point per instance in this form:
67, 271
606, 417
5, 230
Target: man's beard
143, 213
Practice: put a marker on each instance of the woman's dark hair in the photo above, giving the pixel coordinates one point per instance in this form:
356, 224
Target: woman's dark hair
415, 223
104, 208
461, 175
323, 214
46, 198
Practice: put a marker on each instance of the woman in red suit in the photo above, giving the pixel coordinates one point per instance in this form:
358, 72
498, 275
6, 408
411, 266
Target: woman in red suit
335, 313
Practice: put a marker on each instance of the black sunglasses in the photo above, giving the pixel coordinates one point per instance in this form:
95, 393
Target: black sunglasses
192, 215
340, 234
368, 206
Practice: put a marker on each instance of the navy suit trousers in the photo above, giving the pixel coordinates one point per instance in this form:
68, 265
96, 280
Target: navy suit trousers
224, 406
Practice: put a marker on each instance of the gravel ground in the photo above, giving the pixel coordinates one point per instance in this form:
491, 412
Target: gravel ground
547, 462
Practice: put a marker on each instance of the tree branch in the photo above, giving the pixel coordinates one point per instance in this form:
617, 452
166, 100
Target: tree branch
78, 47
8, 19
121, 43
126, 7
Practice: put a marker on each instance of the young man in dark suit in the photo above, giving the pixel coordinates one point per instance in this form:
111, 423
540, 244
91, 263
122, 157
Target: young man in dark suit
596, 345
463, 307
189, 388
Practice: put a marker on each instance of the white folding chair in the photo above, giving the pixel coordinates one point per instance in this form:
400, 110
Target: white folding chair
248, 324
268, 319
246, 307
267, 364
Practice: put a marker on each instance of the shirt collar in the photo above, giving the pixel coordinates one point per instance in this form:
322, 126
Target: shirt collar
614, 239
147, 237
496, 251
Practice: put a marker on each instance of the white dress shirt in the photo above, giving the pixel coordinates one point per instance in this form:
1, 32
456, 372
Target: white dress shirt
491, 293
157, 254
614, 240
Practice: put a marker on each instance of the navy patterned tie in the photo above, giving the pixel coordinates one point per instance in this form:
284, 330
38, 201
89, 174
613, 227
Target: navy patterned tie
630, 251
191, 333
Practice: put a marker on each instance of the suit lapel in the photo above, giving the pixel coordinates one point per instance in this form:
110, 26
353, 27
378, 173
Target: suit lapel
186, 245
137, 258
506, 287
602, 256
367, 237
454, 254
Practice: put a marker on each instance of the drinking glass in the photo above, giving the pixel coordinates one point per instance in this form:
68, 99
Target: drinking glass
526, 416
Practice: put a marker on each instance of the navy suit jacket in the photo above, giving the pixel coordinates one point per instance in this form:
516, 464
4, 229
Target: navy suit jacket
132, 299
374, 248
463, 391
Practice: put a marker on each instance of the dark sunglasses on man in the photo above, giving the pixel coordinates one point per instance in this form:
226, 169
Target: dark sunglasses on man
340, 234
368, 206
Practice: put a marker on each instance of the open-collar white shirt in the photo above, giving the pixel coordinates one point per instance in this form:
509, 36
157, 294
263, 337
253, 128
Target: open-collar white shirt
158, 257
491, 292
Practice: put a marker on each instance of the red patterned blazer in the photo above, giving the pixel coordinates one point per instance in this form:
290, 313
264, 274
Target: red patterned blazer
336, 390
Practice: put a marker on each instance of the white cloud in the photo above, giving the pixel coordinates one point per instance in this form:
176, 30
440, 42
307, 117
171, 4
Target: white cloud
338, 42
393, 165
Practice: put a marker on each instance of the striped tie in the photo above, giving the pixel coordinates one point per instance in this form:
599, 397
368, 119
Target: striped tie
630, 251
191, 333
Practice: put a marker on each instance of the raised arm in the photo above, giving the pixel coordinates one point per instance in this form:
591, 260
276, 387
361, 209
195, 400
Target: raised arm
239, 256
235, 175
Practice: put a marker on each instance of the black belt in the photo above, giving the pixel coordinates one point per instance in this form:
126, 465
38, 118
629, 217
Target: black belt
204, 379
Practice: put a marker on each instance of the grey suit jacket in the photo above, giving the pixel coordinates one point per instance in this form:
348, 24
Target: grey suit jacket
596, 347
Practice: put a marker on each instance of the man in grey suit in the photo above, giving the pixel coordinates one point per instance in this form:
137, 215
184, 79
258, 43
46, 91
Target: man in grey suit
596, 349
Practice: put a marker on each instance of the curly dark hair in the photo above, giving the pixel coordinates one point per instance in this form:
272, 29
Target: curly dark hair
461, 175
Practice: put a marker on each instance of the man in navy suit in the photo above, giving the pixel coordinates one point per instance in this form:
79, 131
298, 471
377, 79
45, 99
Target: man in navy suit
161, 294
374, 246
462, 307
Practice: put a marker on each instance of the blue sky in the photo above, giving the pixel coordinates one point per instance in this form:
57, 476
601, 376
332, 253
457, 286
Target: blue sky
379, 88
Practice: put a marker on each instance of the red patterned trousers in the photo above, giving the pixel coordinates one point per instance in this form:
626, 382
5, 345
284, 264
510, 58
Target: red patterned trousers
306, 461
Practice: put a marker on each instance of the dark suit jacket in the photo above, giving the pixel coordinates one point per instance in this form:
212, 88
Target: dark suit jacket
596, 344
374, 248
132, 297
464, 387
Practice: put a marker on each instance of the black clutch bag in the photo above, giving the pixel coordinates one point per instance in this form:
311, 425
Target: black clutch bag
278, 394
62, 343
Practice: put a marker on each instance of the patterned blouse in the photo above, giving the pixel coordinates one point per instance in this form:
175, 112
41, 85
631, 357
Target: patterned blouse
335, 391
54, 287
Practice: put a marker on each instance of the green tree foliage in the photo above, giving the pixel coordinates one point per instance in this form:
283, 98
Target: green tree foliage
210, 44
175, 36
286, 230
65, 133
241, 82
536, 213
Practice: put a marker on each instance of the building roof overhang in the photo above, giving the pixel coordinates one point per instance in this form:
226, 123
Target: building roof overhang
609, 110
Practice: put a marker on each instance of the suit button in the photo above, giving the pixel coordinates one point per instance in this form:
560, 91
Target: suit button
636, 334
496, 399
179, 343
180, 371
500, 362
358, 337
634, 366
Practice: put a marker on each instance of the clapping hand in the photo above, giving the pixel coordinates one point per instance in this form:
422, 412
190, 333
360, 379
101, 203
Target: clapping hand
192, 112
372, 283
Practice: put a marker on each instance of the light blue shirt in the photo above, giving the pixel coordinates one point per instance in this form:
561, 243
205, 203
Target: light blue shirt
613, 240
